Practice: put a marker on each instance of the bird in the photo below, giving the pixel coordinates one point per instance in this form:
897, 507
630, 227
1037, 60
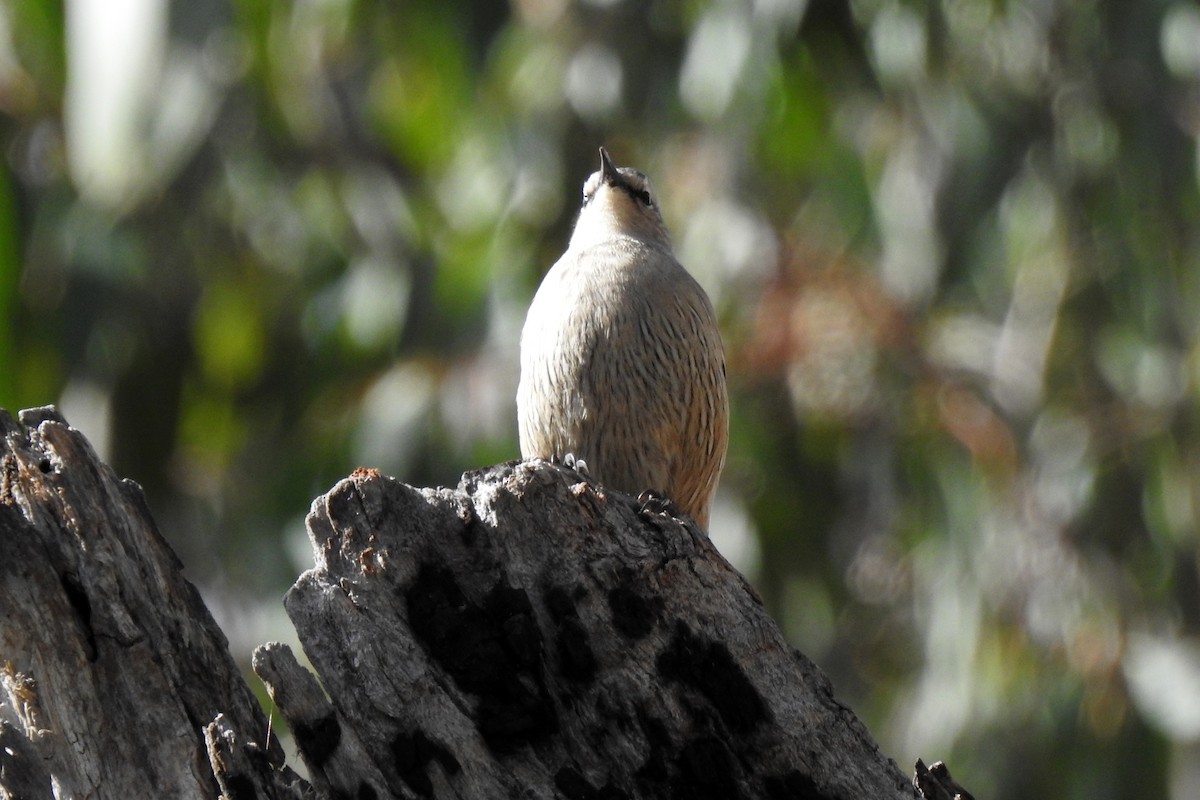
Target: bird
622, 363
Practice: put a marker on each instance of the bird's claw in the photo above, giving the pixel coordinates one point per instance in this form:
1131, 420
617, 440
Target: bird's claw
571, 461
657, 503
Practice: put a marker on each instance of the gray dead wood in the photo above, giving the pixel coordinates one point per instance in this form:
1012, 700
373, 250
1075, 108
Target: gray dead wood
523, 635
111, 667
526, 635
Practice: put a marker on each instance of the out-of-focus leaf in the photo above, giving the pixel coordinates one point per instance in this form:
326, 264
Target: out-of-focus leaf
229, 336
420, 95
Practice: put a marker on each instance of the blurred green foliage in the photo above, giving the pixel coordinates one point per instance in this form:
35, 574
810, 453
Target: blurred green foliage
250, 245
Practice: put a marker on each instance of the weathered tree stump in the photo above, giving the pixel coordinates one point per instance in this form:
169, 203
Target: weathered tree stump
522, 635
110, 664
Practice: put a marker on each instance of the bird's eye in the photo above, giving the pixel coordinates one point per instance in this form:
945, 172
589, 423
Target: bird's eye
587, 198
644, 197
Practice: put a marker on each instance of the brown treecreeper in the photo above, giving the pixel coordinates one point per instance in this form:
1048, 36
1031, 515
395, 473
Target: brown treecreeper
622, 365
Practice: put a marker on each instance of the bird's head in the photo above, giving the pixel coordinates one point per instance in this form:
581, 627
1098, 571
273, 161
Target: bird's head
619, 201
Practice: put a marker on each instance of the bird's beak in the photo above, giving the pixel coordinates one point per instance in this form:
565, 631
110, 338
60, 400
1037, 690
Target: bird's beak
608, 171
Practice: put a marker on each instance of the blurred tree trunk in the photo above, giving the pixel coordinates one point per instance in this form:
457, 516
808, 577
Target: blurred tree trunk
522, 635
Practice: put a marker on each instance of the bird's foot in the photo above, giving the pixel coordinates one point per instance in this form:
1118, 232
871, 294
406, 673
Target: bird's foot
656, 503
935, 783
571, 461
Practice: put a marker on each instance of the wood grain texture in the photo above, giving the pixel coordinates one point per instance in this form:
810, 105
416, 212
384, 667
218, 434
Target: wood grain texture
525, 635
110, 664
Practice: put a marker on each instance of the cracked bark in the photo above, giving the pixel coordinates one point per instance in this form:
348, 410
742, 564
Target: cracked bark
522, 635
110, 664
